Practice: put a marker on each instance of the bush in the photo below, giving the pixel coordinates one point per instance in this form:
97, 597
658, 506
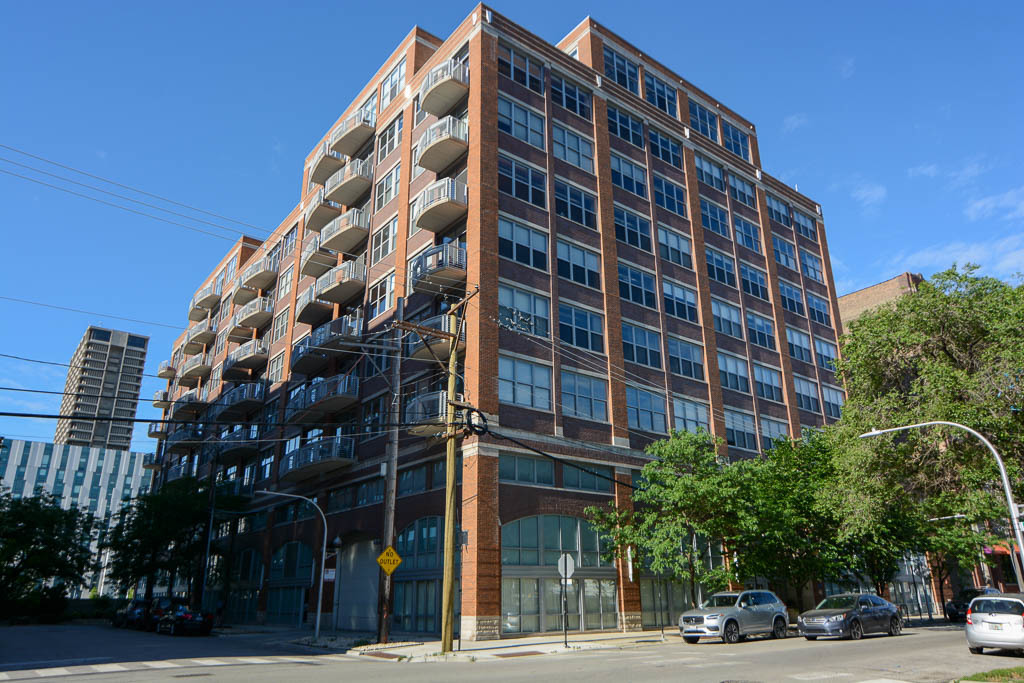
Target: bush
46, 605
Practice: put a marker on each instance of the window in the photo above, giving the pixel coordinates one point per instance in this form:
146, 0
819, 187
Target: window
587, 477
727, 319
573, 149
387, 187
720, 267
632, 229
747, 234
669, 196
522, 182
770, 431
641, 346
266, 465
284, 283
740, 430
785, 253
523, 383
834, 401
370, 492
522, 244
768, 383
689, 416
520, 122
680, 301
575, 204
714, 218
280, 325
381, 296
389, 139
685, 359
392, 84
383, 241
761, 330
375, 412
665, 148
418, 113
584, 396
646, 410
525, 470
674, 247
732, 372
826, 353
807, 394
792, 298
811, 265
621, 70
629, 176
709, 173
275, 368
579, 265
704, 121
799, 345
570, 96
742, 191
755, 282
523, 311
412, 480
520, 67
660, 94
736, 141
581, 328
805, 225
637, 286
778, 210
817, 309
625, 126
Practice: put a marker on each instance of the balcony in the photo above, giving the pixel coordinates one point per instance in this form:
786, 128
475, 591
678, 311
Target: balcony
150, 461
161, 399
310, 353
188, 405
444, 87
259, 275
435, 346
240, 401
243, 441
309, 309
343, 282
184, 438
157, 430
425, 414
323, 397
253, 316
320, 211
354, 132
325, 164
166, 370
195, 367
323, 456
252, 354
236, 487
442, 203
439, 269
442, 144
204, 300
315, 260
177, 472
346, 232
199, 336
350, 183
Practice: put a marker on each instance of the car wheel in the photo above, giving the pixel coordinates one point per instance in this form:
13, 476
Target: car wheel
779, 629
692, 640
731, 633
856, 631
976, 650
811, 637
895, 626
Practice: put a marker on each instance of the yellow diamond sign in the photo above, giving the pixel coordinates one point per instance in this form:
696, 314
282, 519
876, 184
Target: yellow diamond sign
389, 560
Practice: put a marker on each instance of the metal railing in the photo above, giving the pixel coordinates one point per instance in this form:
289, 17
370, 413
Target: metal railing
322, 450
209, 326
449, 255
353, 218
194, 362
339, 385
359, 118
349, 270
266, 264
458, 71
177, 472
444, 190
166, 365
447, 127
263, 303
326, 151
253, 347
356, 167
157, 430
428, 408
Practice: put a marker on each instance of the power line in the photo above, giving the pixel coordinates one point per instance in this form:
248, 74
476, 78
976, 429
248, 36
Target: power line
78, 310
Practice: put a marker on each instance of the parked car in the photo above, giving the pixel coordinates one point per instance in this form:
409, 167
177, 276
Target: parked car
132, 615
850, 615
995, 620
734, 615
181, 619
956, 609
159, 607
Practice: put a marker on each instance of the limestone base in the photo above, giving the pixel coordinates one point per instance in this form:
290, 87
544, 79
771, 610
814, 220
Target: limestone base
630, 621
480, 628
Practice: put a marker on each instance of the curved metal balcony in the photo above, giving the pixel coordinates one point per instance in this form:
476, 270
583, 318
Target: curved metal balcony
350, 183
439, 269
253, 316
320, 211
440, 204
252, 354
309, 309
161, 399
236, 487
259, 275
157, 430
177, 472
315, 260
150, 461
442, 144
204, 300
444, 87
440, 345
343, 282
198, 336
426, 413
188, 405
319, 457
243, 441
184, 438
347, 231
310, 353
325, 164
196, 367
166, 370
239, 401
321, 398
354, 132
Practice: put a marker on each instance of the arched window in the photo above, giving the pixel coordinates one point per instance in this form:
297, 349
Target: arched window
542, 539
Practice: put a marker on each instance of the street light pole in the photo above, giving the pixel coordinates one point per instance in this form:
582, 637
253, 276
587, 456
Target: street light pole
1014, 522
323, 552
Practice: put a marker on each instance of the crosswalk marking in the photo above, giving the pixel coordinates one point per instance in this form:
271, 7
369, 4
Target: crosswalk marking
108, 668
209, 662
253, 660
160, 665
48, 673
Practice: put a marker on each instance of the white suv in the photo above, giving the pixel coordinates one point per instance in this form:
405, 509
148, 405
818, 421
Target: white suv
734, 615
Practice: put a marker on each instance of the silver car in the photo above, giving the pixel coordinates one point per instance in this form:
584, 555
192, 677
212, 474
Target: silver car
734, 615
995, 621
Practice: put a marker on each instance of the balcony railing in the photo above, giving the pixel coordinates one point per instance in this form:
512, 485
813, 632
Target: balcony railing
161, 399
325, 163
320, 211
440, 204
157, 430
346, 232
253, 316
190, 403
252, 354
310, 353
324, 397
425, 346
320, 457
196, 366
354, 132
343, 282
443, 87
426, 413
236, 487
243, 440
261, 274
204, 300
439, 269
239, 401
199, 335
185, 437
442, 143
166, 370
351, 182
315, 260
309, 309
150, 461
177, 472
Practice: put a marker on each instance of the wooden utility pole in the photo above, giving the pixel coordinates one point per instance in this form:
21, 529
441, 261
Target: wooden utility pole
448, 585
391, 478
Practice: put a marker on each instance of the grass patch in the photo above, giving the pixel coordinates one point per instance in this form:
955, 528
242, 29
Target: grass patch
1014, 674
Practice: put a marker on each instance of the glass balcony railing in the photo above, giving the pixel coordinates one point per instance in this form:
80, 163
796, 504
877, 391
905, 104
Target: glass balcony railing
426, 413
240, 400
260, 274
252, 354
309, 308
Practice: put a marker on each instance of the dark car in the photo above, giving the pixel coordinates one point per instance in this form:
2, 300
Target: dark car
850, 615
159, 607
132, 615
956, 609
183, 620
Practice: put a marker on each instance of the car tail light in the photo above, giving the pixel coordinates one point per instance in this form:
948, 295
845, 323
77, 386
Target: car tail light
967, 617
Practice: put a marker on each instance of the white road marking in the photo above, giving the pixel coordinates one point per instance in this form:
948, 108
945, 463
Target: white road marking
49, 673
335, 658
160, 665
818, 676
108, 668
3, 676
252, 660
297, 660
209, 662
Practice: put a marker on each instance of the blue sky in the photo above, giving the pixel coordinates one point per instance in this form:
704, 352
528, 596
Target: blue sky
901, 119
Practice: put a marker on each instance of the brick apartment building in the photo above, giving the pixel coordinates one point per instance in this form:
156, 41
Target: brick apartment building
634, 270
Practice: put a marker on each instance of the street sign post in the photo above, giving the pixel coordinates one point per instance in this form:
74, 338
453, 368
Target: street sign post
566, 568
389, 560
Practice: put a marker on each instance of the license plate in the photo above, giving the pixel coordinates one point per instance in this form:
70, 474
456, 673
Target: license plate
995, 627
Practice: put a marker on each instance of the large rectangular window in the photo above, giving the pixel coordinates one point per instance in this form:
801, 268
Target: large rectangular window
523, 383
785, 252
570, 96
641, 346
389, 139
633, 229
522, 182
629, 176
742, 191
754, 281
526, 470
799, 345
811, 265
520, 122
768, 383
575, 204
805, 225
680, 301
685, 359
747, 234
792, 297
582, 266
807, 394
817, 310
646, 410
826, 353
387, 187
689, 416
637, 286
778, 210
720, 267
761, 331
621, 70
770, 431
580, 327
665, 148
714, 218
625, 126
834, 401
584, 478
522, 244
709, 173
520, 67
524, 311
674, 247
736, 141
380, 297
275, 368
392, 84
284, 283
572, 148
704, 121
584, 396
382, 242
280, 325
727, 318
732, 372
740, 430
660, 94
669, 196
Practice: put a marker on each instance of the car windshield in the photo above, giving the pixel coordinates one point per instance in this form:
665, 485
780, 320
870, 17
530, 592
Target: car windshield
720, 601
996, 606
838, 602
